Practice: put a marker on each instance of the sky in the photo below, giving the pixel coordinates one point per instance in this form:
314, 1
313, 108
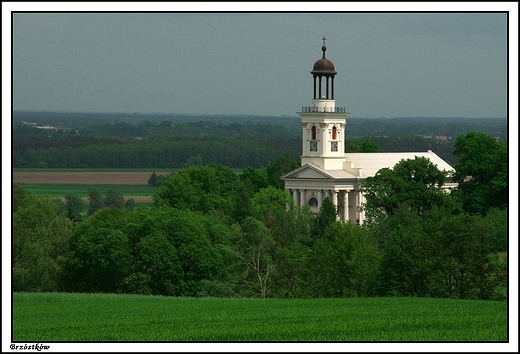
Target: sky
389, 64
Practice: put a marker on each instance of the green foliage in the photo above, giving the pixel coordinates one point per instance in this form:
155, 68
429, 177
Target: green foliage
257, 178
277, 168
130, 204
344, 262
365, 145
440, 253
326, 216
496, 220
200, 188
416, 183
100, 255
160, 251
269, 202
95, 200
463, 251
155, 180
114, 199
481, 172
40, 242
404, 265
252, 244
74, 205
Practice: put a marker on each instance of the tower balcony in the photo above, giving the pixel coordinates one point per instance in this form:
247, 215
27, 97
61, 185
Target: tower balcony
324, 110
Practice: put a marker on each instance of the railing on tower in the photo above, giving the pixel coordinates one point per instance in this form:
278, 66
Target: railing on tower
324, 109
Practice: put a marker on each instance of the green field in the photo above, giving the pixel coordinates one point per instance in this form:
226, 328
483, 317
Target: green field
44, 317
60, 190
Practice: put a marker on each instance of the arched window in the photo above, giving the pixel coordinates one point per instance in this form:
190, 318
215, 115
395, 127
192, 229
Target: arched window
334, 133
313, 132
313, 202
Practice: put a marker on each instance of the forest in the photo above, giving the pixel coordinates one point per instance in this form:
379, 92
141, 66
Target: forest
175, 141
212, 232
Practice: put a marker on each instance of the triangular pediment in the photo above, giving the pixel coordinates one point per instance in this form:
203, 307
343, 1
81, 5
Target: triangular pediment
308, 171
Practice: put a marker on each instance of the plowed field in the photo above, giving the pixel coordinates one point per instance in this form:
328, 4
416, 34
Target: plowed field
83, 177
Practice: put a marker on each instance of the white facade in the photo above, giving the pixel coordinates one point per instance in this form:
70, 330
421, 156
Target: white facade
326, 170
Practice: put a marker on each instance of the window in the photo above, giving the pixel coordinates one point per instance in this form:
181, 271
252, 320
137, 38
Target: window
333, 146
313, 132
313, 202
334, 133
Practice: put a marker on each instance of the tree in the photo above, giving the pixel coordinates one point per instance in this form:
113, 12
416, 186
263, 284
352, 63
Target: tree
114, 199
344, 262
153, 180
200, 188
463, 251
404, 265
100, 259
95, 199
253, 244
269, 201
157, 269
481, 172
130, 204
40, 237
255, 177
414, 182
276, 169
326, 216
74, 206
368, 145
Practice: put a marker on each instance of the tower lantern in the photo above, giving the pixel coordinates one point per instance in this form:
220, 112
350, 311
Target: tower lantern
324, 68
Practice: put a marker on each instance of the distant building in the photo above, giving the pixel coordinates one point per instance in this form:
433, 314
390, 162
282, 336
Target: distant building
326, 170
46, 127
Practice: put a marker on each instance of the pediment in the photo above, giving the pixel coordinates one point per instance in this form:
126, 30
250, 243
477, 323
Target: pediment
307, 172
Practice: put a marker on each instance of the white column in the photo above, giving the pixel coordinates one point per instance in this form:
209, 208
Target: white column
362, 213
335, 201
302, 197
359, 213
320, 198
345, 206
295, 196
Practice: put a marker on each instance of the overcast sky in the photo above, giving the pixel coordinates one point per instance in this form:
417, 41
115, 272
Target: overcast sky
388, 64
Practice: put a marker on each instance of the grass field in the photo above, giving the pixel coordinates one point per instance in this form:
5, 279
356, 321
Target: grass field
42, 317
59, 190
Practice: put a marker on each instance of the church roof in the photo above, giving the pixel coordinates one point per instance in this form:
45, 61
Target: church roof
370, 163
367, 163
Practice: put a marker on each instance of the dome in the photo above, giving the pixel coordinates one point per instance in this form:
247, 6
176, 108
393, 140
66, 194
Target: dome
323, 66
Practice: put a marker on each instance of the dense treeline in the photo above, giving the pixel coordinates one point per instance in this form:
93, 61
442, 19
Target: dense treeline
176, 151
356, 127
154, 152
212, 232
166, 141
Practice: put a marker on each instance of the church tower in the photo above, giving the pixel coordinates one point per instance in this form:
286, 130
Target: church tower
323, 123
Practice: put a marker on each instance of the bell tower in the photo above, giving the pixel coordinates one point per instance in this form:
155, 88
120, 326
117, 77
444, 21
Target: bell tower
323, 123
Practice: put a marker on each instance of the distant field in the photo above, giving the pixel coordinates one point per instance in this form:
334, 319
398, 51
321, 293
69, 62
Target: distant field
57, 184
82, 177
42, 317
140, 193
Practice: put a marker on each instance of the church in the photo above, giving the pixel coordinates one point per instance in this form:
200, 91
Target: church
326, 170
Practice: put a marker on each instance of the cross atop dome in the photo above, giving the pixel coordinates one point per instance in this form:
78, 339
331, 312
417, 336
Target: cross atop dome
324, 47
